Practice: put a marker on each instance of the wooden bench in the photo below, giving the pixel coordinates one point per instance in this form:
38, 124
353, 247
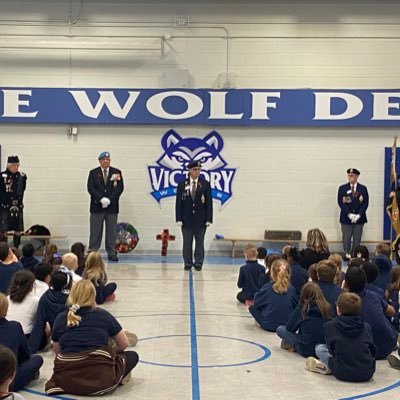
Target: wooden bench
46, 238
286, 242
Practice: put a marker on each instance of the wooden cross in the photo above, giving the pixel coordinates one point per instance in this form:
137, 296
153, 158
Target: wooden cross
165, 237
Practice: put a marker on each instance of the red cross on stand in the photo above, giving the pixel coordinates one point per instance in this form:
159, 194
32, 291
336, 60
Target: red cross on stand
165, 237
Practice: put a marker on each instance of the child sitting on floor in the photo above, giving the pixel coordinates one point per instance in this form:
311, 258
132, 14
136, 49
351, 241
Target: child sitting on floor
249, 275
308, 320
70, 261
392, 295
7, 373
382, 260
337, 259
326, 272
298, 274
349, 351
276, 299
95, 271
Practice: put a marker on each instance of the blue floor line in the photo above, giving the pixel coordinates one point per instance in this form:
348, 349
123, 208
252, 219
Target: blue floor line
193, 342
369, 394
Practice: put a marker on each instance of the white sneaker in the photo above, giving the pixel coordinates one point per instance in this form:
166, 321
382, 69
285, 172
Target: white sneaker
314, 365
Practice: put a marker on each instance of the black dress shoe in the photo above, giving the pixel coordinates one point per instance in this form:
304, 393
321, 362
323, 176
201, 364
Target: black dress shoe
113, 258
187, 267
198, 267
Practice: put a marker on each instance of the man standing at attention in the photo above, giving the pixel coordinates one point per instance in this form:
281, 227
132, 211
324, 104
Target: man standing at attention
353, 202
193, 210
12, 188
105, 185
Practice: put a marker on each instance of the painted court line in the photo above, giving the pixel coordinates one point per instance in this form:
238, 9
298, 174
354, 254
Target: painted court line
193, 342
369, 394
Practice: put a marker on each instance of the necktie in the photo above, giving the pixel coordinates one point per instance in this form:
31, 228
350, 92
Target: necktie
193, 189
105, 175
353, 190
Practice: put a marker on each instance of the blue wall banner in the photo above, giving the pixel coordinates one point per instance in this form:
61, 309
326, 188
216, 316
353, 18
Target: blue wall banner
250, 107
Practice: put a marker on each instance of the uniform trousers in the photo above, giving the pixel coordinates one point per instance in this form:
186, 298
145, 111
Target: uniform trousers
97, 221
198, 234
351, 231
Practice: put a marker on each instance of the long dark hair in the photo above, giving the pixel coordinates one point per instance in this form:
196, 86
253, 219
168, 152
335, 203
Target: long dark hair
310, 294
21, 284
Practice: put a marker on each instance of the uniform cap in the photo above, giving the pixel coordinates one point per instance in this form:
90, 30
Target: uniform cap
194, 164
13, 160
103, 154
354, 171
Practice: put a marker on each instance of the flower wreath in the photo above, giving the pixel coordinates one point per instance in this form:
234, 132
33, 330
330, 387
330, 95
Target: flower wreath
127, 237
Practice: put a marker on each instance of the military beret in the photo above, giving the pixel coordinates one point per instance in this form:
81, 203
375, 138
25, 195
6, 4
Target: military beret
103, 154
194, 164
354, 171
13, 160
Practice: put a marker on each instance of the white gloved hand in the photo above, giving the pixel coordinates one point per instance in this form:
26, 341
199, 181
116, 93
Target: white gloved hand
105, 202
351, 216
179, 223
356, 218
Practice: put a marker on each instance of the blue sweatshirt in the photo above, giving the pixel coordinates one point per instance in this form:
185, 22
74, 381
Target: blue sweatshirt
249, 276
331, 292
7, 272
275, 307
349, 340
310, 329
298, 277
385, 266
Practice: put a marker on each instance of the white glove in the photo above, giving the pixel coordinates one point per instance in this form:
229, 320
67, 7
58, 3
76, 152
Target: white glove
105, 202
351, 217
208, 224
179, 223
356, 218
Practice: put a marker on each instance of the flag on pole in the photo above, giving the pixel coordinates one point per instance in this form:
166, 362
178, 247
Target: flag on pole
393, 205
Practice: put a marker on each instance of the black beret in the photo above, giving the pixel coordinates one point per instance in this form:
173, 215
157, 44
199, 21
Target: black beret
194, 164
13, 160
354, 171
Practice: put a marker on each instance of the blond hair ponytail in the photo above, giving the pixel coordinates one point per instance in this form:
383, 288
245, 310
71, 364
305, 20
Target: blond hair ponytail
280, 275
83, 294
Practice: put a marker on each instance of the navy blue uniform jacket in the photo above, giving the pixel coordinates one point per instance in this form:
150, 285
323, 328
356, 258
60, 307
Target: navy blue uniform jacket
197, 212
275, 307
112, 189
349, 340
356, 204
249, 276
311, 329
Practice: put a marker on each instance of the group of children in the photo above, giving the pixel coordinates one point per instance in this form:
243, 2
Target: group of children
32, 296
341, 322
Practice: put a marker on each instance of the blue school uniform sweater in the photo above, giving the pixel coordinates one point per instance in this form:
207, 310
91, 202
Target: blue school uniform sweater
50, 305
7, 271
331, 292
298, 277
29, 263
385, 266
12, 336
310, 329
373, 311
375, 289
249, 276
349, 340
275, 307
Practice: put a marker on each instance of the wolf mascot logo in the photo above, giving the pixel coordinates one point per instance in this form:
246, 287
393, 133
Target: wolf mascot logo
178, 152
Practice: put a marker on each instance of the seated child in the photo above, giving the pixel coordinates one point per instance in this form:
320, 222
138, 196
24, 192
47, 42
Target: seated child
374, 310
43, 275
28, 260
349, 352
7, 373
50, 305
360, 252
372, 273
265, 278
95, 271
70, 261
276, 299
249, 275
337, 259
298, 274
312, 273
12, 336
261, 254
8, 266
392, 295
79, 250
326, 272
308, 320
382, 260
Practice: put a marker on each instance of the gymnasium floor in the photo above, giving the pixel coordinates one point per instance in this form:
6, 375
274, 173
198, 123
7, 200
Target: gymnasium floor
196, 342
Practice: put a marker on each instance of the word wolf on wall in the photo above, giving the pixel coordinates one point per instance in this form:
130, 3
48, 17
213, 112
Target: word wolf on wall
178, 152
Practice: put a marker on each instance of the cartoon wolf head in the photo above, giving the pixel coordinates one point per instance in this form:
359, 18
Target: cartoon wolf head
178, 151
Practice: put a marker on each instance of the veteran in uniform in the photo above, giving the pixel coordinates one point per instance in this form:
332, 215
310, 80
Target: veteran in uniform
12, 188
353, 201
105, 186
194, 213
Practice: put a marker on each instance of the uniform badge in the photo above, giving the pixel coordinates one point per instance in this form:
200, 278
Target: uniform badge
361, 199
346, 199
203, 199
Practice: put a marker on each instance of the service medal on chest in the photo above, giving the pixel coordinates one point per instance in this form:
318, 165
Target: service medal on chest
203, 199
